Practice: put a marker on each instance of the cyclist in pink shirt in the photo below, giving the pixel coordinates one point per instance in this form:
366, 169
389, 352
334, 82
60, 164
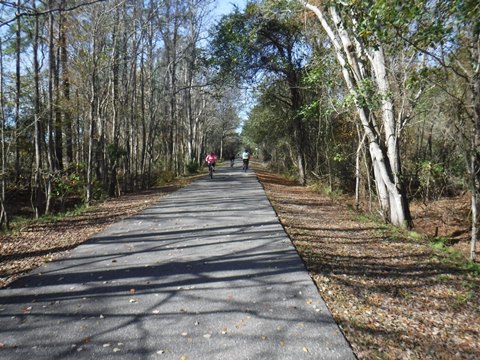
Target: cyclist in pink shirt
211, 159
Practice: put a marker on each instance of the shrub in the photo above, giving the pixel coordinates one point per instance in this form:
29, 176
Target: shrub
192, 167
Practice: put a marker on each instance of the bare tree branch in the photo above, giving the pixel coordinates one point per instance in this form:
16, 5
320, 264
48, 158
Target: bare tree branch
27, 11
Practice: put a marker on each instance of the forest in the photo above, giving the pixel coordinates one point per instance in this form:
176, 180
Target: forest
377, 99
102, 98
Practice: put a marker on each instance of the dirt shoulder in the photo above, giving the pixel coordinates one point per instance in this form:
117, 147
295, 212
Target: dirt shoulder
394, 298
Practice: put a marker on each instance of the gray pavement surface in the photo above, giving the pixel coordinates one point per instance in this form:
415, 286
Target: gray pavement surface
207, 273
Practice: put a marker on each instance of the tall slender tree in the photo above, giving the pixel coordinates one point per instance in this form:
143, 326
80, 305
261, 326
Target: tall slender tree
4, 221
359, 61
37, 171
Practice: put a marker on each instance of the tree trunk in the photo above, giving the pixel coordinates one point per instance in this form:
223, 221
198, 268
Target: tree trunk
57, 108
385, 157
67, 112
92, 120
3, 206
114, 158
475, 55
17, 91
298, 131
358, 154
299, 141
399, 209
143, 124
51, 110
91, 134
474, 204
221, 145
37, 124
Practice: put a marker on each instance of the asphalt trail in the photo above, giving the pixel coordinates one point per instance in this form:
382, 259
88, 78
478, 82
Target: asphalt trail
207, 273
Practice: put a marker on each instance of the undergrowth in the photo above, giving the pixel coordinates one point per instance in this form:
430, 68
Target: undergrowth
20, 222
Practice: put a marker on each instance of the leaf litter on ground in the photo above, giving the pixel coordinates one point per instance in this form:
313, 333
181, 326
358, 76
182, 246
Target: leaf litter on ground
393, 297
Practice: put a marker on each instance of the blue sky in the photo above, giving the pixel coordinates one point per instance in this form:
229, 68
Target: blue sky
226, 6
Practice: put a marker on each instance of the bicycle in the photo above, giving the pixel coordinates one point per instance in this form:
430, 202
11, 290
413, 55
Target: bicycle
210, 170
210, 160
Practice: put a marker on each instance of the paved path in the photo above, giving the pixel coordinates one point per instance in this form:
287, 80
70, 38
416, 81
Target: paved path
207, 273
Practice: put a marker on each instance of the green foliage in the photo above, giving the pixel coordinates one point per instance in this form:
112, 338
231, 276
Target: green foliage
164, 177
323, 188
255, 41
432, 179
454, 257
192, 167
269, 120
310, 110
67, 185
388, 21
340, 157
290, 175
432, 170
416, 236
115, 152
473, 267
98, 191
365, 95
20, 222
463, 298
440, 242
